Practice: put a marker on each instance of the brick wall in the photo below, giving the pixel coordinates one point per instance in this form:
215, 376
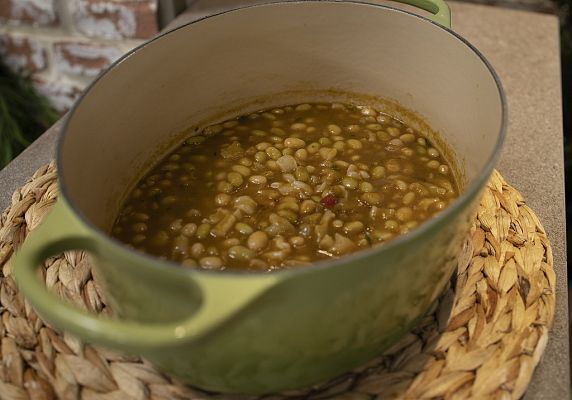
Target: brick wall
64, 44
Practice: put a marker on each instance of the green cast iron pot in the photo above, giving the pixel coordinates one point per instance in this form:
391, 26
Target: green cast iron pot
264, 332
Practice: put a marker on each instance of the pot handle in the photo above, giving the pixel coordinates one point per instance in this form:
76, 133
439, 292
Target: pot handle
439, 9
61, 232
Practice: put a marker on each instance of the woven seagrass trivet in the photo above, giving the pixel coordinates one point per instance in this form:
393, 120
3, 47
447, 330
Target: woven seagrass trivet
482, 339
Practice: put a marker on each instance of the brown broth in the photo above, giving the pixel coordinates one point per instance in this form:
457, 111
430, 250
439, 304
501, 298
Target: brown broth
286, 187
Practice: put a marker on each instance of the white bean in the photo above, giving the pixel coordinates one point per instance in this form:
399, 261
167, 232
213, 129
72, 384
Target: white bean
257, 240
294, 143
210, 262
287, 163
258, 179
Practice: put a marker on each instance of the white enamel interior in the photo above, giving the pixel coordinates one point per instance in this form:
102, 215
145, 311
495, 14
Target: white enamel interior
213, 65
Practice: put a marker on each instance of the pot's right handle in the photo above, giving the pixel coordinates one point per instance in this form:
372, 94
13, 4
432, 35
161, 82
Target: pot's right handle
439, 9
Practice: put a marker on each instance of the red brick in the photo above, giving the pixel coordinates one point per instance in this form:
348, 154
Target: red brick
62, 93
86, 59
31, 12
22, 53
116, 19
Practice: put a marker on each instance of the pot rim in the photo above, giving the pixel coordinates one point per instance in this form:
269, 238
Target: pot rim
465, 196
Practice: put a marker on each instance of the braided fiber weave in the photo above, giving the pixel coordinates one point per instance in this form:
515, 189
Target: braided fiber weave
482, 339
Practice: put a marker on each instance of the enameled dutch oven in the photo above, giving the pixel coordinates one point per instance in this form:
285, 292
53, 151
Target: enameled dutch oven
263, 332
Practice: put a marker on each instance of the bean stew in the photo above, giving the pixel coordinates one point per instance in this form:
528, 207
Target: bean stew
286, 187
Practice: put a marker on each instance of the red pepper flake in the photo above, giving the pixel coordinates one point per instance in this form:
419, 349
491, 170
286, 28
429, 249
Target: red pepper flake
329, 201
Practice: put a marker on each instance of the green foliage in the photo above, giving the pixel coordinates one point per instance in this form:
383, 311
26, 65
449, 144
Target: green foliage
24, 114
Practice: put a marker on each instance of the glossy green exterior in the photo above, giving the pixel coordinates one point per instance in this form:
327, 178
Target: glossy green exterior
439, 9
251, 332
256, 333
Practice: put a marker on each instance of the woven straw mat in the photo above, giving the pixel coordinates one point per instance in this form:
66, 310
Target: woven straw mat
482, 339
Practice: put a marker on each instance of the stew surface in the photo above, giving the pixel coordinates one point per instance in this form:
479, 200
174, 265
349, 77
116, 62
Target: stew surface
285, 187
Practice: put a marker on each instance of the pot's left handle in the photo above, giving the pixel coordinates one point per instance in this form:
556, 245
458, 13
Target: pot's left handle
439, 8
221, 296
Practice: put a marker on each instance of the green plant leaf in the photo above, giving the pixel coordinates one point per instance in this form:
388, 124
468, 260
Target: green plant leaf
24, 113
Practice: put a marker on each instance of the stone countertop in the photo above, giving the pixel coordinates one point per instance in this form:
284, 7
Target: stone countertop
524, 49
